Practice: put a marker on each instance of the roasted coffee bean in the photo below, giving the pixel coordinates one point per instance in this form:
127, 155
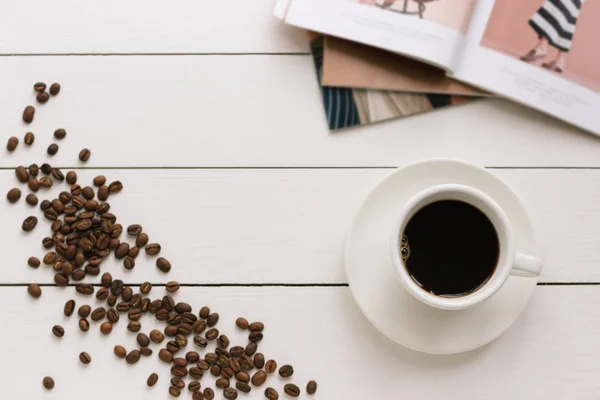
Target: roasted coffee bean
91, 270
172, 287
243, 387
173, 347
52, 149
50, 214
241, 323
76, 191
242, 376
115, 187
57, 174
22, 174
255, 337
251, 349
58, 331
223, 361
182, 308
209, 394
49, 258
33, 184
234, 364
29, 223
236, 351
181, 340
203, 365
222, 352
121, 251
102, 294
116, 287
152, 379
31, 199
223, 341
146, 351
71, 177
120, 351
211, 358
66, 268
69, 308
112, 315
199, 326
29, 139
91, 205
311, 387
177, 382
62, 280
291, 390
106, 279
184, 329
171, 330
200, 342
134, 230
141, 240
84, 155
84, 311
85, 358
156, 336
143, 339
42, 97
215, 370
286, 371
135, 314
84, 288
198, 395
222, 383
39, 86
116, 231
271, 394
87, 193
174, 392
259, 360
106, 328
256, 327
33, 262
196, 373
13, 195
128, 262
98, 314
133, 357
84, 325
28, 114
127, 293
212, 319
133, 252
227, 373
60, 133
259, 378
193, 386
180, 372
165, 355
48, 383
246, 363
153, 249
271, 366
54, 89
46, 182
46, 169
230, 393
134, 326
111, 300
168, 303
162, 314
212, 334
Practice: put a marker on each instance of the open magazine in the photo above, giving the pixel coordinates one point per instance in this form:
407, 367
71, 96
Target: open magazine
542, 53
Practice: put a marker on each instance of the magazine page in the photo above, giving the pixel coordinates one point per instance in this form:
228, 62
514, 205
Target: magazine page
542, 53
351, 64
428, 30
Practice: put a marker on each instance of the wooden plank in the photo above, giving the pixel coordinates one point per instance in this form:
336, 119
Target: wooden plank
550, 352
288, 226
254, 111
138, 26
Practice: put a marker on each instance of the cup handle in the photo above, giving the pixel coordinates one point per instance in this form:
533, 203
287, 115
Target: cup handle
525, 265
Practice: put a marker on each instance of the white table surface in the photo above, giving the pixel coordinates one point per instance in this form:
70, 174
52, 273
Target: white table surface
209, 113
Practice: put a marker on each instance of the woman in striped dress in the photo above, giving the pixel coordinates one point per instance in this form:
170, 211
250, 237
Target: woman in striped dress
554, 24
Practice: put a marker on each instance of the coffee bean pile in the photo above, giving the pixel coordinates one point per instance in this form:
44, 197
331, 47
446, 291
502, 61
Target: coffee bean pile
84, 232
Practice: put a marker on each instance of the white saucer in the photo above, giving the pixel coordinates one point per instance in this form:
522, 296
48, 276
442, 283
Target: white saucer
378, 291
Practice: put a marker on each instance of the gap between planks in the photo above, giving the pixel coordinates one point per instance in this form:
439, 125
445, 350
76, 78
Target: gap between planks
224, 168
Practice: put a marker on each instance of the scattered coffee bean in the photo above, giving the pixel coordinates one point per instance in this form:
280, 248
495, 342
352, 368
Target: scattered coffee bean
22, 174
46, 182
33, 184
145, 287
42, 97
311, 387
106, 328
200, 342
256, 327
194, 386
179, 371
143, 340
156, 336
28, 114
177, 382
152, 379
58, 175
29, 223
141, 240
128, 263
230, 393
99, 180
115, 187
39, 86
29, 138
120, 351
85, 358
133, 357
134, 326
174, 392
54, 89
52, 149
286, 371
250, 349
222, 383
60, 133
192, 356
13, 195
31, 199
165, 355
84, 288
84, 311
69, 308
212, 319
48, 383
198, 396
259, 360
211, 334
223, 341
153, 249
146, 351
12, 144
84, 155
33, 262
34, 170
84, 325
291, 390
271, 366
133, 230
241, 323
161, 263
58, 331
98, 314
209, 394
259, 378
255, 336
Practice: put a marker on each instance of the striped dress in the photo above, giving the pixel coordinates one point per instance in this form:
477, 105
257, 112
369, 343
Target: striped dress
556, 21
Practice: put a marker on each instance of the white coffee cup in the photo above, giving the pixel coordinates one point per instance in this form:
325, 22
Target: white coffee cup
509, 261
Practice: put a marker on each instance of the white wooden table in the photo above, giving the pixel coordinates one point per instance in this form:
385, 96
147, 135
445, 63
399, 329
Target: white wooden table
209, 113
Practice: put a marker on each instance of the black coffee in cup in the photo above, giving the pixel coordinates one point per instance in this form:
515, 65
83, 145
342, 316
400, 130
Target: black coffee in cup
450, 248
